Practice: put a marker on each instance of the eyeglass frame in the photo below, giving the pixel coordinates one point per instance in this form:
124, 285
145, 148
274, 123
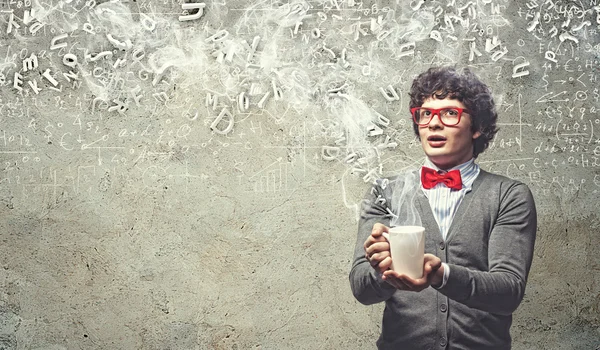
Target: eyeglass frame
437, 111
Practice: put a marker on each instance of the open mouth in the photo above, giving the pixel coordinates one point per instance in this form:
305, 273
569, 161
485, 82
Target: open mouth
436, 140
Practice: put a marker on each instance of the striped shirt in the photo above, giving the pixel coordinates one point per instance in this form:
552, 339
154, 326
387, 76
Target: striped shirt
444, 201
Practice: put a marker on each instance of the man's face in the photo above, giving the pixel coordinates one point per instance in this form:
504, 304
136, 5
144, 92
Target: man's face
447, 146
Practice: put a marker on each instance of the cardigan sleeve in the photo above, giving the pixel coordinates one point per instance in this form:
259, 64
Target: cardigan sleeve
510, 252
365, 281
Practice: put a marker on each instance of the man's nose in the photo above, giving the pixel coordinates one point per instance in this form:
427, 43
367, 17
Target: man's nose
436, 120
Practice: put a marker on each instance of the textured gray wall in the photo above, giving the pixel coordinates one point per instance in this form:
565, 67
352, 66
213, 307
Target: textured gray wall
189, 179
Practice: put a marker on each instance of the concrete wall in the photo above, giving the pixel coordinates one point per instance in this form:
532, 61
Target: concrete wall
179, 178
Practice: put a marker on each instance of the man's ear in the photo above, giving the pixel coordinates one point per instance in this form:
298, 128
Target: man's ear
476, 134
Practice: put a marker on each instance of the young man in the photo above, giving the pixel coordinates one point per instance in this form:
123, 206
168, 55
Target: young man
480, 229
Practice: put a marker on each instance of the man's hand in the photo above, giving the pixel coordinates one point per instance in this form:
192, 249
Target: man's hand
377, 248
432, 274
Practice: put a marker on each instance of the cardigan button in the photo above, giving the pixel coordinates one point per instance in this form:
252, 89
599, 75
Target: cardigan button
443, 308
442, 246
443, 342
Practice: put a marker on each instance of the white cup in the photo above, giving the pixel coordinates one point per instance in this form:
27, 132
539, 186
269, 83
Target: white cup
407, 246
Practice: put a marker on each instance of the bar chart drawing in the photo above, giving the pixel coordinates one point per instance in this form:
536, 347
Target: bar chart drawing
271, 179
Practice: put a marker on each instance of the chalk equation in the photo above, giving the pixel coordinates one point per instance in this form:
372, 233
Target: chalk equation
277, 92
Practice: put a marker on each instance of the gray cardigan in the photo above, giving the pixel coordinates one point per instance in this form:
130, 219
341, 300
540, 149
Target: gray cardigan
489, 249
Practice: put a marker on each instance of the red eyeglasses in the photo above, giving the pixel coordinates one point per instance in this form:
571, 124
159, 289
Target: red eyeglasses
449, 116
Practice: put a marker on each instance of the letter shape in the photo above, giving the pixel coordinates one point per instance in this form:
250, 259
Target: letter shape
492, 43
407, 49
435, 35
519, 70
551, 56
226, 116
473, 51
329, 152
499, 54
12, 23
49, 77
70, 60
34, 86
54, 45
199, 6
17, 81
389, 94
30, 63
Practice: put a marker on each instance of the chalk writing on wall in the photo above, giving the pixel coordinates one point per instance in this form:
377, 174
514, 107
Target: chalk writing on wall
172, 93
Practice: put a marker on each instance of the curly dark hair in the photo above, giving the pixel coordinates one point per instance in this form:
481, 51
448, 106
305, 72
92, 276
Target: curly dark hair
464, 86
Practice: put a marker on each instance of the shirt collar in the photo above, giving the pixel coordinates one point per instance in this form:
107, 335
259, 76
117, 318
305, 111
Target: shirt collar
468, 171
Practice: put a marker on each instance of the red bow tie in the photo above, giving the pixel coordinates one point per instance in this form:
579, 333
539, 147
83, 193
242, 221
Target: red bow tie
430, 178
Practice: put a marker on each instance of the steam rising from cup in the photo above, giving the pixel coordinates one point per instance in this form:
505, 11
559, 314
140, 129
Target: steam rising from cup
406, 187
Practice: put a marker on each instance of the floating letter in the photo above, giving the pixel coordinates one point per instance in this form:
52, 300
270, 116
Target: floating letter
191, 6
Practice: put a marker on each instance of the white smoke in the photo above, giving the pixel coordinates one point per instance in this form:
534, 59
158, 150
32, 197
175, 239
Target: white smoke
405, 189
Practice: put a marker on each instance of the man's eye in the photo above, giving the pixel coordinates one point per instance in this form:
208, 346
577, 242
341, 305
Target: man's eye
426, 112
452, 112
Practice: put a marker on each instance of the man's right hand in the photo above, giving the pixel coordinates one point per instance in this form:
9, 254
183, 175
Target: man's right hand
377, 248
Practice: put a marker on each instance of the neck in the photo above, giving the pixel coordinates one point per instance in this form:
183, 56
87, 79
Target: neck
447, 166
